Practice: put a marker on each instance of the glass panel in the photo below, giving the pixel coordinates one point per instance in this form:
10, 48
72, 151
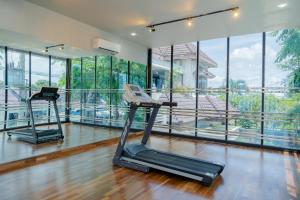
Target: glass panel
18, 92
138, 73
88, 85
119, 78
212, 84
103, 79
161, 67
282, 108
39, 78
58, 79
184, 93
75, 90
245, 80
2, 86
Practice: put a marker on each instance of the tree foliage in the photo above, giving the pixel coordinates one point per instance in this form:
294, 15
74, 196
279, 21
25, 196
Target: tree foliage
288, 58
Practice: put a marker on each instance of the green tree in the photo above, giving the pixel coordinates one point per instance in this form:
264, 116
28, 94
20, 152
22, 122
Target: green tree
39, 84
288, 57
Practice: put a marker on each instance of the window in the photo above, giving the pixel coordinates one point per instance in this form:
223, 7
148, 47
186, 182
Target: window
184, 92
58, 79
75, 90
2, 86
88, 93
245, 81
212, 88
138, 73
18, 91
119, 79
40, 78
103, 82
161, 71
282, 107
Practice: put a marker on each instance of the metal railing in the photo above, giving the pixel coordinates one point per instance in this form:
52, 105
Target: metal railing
107, 107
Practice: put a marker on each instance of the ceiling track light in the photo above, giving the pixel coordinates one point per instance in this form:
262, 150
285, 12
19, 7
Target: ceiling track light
151, 29
190, 22
61, 47
235, 10
282, 5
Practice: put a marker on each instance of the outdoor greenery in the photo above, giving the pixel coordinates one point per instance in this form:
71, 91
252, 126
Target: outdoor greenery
108, 84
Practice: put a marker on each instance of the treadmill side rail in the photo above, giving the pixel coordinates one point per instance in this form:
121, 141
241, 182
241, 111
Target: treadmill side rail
123, 162
205, 179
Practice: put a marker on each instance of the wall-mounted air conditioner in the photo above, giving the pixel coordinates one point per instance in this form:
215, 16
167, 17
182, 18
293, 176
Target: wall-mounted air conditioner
106, 47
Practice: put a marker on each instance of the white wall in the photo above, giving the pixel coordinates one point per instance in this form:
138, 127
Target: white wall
33, 21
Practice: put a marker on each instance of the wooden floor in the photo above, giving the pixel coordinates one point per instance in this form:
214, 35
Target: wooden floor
248, 174
75, 135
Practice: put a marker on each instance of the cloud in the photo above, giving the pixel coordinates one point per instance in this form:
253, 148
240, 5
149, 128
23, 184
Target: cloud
247, 53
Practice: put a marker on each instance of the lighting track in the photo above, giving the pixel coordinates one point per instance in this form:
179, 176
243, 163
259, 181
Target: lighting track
61, 47
152, 26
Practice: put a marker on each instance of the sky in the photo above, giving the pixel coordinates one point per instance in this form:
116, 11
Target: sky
40, 67
245, 60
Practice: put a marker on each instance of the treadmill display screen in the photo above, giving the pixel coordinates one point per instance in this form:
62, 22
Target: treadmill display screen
134, 88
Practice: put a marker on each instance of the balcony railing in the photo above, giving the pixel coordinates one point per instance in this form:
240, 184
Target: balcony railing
209, 117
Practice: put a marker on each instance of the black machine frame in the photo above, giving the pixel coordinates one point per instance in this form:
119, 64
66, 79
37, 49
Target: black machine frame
33, 135
126, 157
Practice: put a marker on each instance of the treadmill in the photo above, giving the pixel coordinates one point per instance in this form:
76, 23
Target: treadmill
142, 158
32, 134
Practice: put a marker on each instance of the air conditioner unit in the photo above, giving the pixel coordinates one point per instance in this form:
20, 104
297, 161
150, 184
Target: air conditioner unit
106, 47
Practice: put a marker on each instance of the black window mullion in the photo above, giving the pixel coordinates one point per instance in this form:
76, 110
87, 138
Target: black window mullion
67, 90
29, 92
81, 88
171, 89
29, 84
128, 74
263, 87
95, 88
49, 105
148, 82
110, 87
227, 88
197, 90
5, 89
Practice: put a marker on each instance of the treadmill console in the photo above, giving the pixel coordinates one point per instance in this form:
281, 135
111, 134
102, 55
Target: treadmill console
46, 93
135, 94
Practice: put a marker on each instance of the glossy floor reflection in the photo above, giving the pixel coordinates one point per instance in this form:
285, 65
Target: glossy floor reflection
249, 174
75, 135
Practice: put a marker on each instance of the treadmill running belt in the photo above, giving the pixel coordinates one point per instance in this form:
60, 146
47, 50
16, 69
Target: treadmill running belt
174, 161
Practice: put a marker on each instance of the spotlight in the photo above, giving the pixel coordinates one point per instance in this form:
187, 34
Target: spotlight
151, 29
282, 5
236, 13
133, 34
46, 50
61, 48
189, 22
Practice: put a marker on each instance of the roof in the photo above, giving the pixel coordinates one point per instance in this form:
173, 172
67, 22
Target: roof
211, 107
182, 52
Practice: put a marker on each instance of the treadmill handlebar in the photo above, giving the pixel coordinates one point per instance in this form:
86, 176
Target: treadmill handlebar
170, 104
46, 93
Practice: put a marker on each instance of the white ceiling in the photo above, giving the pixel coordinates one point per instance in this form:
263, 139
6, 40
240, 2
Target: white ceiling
122, 17
28, 43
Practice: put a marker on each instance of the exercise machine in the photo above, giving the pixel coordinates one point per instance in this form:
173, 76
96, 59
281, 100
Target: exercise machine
32, 134
142, 158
